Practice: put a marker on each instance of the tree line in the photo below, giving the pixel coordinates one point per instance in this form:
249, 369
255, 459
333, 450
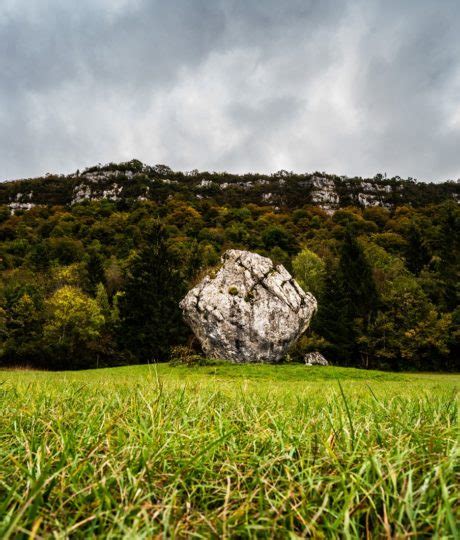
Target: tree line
98, 284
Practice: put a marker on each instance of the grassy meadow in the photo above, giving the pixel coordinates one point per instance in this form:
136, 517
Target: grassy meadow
228, 451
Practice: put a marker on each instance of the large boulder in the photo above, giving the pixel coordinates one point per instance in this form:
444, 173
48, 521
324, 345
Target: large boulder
249, 311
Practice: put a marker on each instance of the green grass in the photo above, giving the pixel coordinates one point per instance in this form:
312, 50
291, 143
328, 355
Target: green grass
228, 451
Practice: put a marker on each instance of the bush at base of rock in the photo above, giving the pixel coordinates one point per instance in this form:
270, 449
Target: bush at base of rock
185, 356
182, 355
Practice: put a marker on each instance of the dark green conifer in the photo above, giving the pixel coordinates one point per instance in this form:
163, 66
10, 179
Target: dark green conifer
417, 255
333, 320
348, 304
94, 270
150, 317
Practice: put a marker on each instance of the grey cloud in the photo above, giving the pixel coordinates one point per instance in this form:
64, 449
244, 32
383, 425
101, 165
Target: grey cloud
405, 91
348, 86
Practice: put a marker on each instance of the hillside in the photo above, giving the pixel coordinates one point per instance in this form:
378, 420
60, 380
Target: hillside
135, 181
93, 265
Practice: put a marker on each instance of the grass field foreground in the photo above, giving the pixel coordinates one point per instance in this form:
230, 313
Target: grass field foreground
228, 451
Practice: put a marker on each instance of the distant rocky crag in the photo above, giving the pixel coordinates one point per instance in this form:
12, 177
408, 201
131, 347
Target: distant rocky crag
133, 181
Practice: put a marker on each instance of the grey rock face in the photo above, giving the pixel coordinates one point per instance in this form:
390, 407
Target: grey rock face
315, 359
250, 311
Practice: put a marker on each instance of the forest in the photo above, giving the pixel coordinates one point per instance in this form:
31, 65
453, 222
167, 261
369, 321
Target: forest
97, 283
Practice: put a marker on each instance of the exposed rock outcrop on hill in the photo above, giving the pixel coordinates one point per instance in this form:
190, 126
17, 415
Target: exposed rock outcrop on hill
135, 181
250, 311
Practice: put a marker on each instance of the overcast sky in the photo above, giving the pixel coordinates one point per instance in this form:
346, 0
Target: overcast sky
350, 87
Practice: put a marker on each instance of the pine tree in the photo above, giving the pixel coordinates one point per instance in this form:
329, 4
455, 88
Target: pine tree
348, 305
333, 321
95, 270
417, 255
449, 250
102, 299
357, 280
150, 317
359, 294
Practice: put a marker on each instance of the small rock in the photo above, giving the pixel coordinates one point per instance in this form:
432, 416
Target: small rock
315, 359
